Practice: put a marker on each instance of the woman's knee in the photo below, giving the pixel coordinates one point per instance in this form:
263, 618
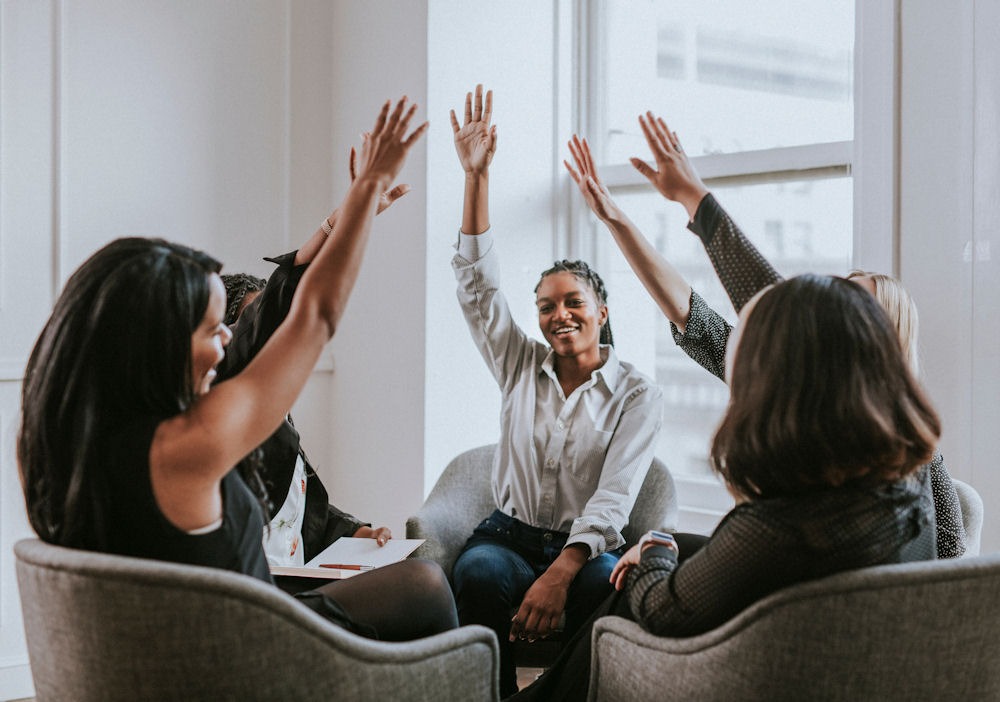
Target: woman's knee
482, 569
426, 575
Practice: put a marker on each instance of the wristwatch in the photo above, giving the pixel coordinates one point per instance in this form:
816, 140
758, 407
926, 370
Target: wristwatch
660, 538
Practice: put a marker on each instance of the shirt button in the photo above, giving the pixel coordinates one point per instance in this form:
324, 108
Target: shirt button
549, 463
560, 426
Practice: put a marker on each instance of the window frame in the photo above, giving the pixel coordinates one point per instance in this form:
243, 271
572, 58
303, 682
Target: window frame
870, 159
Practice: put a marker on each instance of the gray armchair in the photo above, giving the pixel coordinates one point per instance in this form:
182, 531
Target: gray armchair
107, 628
914, 631
463, 497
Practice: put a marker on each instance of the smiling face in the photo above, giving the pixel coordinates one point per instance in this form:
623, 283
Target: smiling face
569, 314
209, 340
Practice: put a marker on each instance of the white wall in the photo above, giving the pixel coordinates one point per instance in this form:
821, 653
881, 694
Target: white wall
948, 200
375, 420
177, 119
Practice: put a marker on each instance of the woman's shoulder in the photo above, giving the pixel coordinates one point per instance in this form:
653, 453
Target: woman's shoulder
633, 381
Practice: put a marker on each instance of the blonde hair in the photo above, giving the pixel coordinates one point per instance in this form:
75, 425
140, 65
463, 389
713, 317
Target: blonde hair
902, 311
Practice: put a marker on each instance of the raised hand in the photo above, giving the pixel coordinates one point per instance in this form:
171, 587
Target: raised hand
586, 178
674, 176
475, 139
388, 197
384, 151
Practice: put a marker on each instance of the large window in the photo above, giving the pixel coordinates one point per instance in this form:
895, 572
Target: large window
762, 96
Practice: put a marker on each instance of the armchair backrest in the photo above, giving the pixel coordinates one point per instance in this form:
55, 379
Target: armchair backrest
914, 631
108, 628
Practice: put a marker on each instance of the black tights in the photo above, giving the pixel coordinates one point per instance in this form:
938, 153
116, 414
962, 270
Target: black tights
568, 678
403, 601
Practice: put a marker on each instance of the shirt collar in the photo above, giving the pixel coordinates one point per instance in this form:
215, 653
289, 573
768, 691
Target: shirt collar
609, 372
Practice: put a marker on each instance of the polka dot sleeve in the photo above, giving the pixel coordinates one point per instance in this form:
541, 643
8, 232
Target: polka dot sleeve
705, 336
739, 265
947, 511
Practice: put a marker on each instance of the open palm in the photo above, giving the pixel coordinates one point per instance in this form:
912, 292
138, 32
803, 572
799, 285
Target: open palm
475, 139
585, 176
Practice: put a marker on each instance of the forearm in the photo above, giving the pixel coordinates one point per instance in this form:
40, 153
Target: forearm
476, 204
647, 587
661, 279
742, 269
567, 564
327, 284
309, 250
626, 463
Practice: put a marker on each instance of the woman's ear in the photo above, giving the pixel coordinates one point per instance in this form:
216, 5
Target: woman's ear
603, 315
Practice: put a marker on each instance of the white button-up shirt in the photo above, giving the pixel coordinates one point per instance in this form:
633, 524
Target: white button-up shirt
589, 452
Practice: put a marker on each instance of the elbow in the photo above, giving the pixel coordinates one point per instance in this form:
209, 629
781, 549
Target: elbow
318, 319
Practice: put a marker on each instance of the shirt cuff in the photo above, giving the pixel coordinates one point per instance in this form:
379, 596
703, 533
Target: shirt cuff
694, 329
706, 218
473, 247
591, 540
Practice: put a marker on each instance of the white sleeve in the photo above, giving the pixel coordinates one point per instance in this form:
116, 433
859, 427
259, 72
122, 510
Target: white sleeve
504, 346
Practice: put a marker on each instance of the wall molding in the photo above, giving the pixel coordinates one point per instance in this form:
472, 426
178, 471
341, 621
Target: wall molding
12, 369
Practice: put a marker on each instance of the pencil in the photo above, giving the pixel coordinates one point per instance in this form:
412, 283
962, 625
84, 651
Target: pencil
346, 566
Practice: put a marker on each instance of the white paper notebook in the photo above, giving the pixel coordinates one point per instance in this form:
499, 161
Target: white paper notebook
364, 554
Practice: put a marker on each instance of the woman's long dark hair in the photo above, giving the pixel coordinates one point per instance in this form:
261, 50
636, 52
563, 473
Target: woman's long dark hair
589, 276
117, 346
821, 395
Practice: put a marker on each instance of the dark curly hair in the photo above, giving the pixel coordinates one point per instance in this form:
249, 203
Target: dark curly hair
238, 286
588, 275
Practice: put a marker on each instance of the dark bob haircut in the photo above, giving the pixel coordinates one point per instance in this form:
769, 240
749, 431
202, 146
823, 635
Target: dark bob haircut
117, 346
821, 395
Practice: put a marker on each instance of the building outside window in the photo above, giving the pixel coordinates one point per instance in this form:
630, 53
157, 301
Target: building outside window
762, 97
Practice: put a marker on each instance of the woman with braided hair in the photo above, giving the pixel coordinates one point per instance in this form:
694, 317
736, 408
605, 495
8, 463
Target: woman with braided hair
578, 431
241, 290
301, 521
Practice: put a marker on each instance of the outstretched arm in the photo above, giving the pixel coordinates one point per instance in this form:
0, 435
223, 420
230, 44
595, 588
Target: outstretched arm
740, 266
309, 250
663, 282
194, 450
674, 176
476, 142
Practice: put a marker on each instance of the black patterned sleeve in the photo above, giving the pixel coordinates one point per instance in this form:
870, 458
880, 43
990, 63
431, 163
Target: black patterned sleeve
705, 336
739, 265
744, 560
947, 511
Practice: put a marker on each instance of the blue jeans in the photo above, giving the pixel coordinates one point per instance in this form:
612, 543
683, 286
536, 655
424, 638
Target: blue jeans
500, 561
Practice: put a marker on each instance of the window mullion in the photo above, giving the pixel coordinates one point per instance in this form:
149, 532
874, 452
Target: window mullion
788, 163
